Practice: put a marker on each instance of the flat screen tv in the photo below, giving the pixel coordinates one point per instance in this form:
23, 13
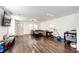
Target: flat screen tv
6, 20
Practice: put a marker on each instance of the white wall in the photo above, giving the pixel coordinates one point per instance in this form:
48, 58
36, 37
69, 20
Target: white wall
3, 30
12, 27
62, 24
26, 28
78, 33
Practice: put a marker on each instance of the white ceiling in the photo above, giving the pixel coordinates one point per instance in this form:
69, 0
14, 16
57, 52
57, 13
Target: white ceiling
42, 13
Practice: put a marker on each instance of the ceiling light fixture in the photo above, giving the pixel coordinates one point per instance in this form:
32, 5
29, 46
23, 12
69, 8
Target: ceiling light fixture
34, 20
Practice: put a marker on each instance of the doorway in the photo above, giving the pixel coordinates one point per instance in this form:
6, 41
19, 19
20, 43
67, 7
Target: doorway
19, 29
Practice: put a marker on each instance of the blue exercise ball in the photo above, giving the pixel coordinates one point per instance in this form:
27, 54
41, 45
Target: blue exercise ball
59, 38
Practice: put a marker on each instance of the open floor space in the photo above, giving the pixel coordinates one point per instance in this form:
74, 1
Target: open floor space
30, 44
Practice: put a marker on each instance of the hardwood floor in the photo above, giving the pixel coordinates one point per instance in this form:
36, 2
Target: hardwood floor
30, 44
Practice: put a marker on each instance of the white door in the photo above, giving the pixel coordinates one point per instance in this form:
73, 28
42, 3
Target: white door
19, 29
